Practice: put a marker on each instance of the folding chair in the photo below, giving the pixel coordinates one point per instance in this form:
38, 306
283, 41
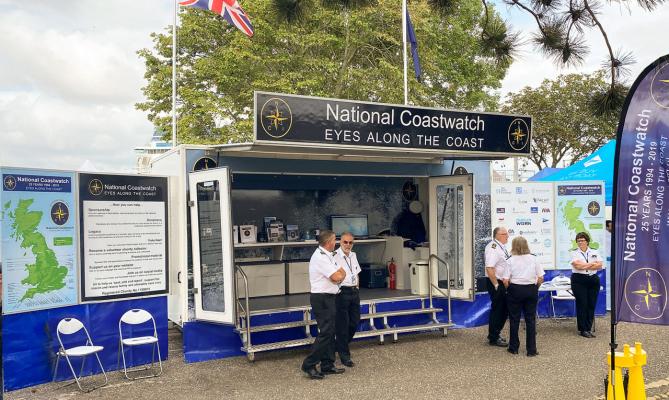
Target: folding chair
70, 326
138, 317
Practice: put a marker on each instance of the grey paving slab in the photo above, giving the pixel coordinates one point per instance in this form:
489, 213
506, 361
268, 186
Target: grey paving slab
423, 366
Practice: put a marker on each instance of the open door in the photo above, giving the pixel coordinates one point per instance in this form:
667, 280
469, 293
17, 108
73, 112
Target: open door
452, 235
213, 258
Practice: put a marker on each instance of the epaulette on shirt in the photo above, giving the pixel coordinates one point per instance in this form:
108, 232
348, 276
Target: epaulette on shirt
494, 245
322, 252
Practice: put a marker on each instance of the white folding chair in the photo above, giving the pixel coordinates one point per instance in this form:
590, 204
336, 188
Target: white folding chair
137, 317
70, 326
564, 294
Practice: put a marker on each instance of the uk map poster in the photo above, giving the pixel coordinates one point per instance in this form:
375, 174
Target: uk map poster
39, 255
580, 207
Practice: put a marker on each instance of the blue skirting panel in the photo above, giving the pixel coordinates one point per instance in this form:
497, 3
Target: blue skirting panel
205, 341
29, 342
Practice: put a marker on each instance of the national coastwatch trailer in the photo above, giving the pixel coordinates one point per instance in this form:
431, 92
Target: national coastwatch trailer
418, 178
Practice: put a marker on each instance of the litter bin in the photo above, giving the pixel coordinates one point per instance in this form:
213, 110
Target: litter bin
419, 278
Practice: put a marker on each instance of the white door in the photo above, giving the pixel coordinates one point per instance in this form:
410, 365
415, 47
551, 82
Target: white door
211, 236
452, 235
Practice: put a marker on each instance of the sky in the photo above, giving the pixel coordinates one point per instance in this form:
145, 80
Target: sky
70, 76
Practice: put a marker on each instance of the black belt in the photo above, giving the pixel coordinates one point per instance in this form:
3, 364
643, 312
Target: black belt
349, 288
325, 294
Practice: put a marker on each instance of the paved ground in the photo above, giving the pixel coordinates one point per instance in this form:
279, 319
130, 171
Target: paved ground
424, 366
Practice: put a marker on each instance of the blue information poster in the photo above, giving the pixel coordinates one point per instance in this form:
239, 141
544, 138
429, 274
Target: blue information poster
38, 239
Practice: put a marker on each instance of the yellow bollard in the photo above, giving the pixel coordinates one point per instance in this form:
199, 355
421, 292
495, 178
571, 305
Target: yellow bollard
623, 360
636, 389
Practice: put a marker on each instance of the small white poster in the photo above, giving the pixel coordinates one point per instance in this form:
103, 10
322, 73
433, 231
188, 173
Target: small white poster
526, 209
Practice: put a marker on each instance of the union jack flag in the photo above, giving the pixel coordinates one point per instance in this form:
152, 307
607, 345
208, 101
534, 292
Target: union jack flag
228, 9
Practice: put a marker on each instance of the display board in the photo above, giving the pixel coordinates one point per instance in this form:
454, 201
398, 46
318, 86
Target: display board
549, 215
526, 209
580, 207
39, 256
124, 249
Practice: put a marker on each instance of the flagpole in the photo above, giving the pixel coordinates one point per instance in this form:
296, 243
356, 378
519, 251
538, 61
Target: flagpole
174, 76
404, 50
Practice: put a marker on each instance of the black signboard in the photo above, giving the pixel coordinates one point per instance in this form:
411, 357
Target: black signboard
124, 236
353, 124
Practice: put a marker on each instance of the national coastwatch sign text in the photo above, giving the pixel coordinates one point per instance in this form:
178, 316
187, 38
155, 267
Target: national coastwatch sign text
301, 119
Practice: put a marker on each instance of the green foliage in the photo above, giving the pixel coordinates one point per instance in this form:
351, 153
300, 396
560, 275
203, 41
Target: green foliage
563, 123
332, 48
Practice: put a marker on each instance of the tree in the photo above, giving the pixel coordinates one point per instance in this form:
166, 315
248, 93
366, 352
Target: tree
562, 121
332, 48
561, 24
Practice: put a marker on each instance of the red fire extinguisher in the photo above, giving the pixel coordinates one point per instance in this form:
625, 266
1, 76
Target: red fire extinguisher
392, 270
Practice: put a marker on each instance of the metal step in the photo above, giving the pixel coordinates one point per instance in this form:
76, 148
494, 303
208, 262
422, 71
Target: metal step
274, 327
402, 329
413, 311
256, 348
301, 323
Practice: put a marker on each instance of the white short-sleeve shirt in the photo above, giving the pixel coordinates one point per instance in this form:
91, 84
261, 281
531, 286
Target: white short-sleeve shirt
350, 265
321, 267
523, 270
590, 255
496, 255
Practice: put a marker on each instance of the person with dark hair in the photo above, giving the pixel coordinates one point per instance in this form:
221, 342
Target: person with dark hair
325, 276
585, 262
496, 255
522, 279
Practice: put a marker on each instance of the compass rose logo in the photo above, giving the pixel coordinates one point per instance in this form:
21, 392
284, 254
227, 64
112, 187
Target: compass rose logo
659, 87
277, 119
60, 213
562, 190
646, 293
95, 187
9, 182
519, 134
594, 208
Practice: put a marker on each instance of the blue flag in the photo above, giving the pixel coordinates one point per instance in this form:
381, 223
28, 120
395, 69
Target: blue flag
641, 200
411, 36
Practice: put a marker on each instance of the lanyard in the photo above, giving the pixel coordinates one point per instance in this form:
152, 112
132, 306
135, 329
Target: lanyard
585, 255
350, 268
506, 253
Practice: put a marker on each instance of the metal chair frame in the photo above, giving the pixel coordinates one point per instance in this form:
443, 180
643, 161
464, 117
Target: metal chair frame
137, 316
69, 326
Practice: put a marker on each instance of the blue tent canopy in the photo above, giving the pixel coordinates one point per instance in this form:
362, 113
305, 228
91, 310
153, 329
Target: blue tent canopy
596, 167
543, 174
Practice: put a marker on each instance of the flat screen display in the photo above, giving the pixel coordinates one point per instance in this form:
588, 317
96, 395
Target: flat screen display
354, 223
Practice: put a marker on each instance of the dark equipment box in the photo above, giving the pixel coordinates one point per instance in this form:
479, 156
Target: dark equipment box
373, 276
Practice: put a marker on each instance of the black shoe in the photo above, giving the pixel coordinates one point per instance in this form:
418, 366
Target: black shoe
512, 351
536, 353
586, 334
499, 342
348, 363
332, 371
592, 335
313, 373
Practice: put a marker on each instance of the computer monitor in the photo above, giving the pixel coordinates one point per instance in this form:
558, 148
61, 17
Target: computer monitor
354, 223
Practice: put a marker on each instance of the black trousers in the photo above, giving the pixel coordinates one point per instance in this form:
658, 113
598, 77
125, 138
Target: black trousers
348, 317
322, 351
586, 290
523, 298
498, 310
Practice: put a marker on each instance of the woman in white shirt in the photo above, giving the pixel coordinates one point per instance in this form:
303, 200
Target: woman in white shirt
585, 262
522, 278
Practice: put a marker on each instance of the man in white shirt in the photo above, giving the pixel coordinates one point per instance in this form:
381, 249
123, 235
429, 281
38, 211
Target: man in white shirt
348, 299
496, 255
325, 276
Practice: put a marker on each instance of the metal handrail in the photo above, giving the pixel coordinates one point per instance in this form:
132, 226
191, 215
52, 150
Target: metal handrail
448, 279
247, 309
